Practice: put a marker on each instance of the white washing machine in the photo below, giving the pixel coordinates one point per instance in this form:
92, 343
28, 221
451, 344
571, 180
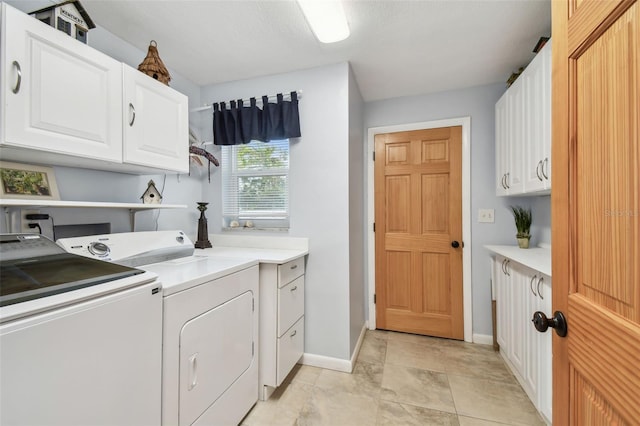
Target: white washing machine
210, 323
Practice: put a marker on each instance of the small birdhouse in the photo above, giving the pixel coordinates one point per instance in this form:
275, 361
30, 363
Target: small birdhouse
70, 17
151, 195
153, 65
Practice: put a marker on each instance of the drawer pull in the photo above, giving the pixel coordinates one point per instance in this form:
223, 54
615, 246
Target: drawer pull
16, 88
294, 267
294, 288
294, 333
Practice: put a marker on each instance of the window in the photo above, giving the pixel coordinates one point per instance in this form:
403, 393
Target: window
255, 181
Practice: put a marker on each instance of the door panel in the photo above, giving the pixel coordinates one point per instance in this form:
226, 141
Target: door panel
419, 212
596, 211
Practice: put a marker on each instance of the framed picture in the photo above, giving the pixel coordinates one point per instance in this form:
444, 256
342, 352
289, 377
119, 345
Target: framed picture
24, 181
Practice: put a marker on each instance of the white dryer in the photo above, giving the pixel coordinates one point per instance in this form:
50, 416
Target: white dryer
210, 323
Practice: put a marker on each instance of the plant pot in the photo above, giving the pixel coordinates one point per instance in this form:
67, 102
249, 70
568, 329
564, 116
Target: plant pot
523, 243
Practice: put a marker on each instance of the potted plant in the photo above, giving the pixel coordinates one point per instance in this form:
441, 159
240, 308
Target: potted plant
522, 218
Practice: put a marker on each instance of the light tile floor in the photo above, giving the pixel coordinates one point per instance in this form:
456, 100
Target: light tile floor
402, 379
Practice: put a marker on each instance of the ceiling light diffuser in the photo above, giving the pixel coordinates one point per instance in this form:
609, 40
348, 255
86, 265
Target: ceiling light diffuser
326, 18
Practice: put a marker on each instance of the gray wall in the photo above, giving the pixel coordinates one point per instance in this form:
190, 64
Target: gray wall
88, 185
319, 194
357, 222
478, 103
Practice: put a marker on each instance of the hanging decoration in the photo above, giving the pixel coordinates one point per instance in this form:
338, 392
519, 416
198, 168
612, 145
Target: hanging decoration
195, 152
241, 124
153, 66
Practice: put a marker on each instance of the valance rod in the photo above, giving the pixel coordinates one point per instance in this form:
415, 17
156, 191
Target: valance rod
258, 99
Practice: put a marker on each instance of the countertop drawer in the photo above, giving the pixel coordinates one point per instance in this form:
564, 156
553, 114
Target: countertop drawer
290, 349
291, 304
289, 271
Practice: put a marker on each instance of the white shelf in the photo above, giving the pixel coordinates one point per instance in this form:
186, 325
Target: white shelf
11, 202
133, 208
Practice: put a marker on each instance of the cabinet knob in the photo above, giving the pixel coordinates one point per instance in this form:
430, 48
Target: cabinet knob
16, 88
557, 322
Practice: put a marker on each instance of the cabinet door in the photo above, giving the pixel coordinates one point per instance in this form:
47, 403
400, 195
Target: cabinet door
502, 148
532, 337
517, 284
503, 305
545, 353
515, 137
156, 123
537, 166
59, 95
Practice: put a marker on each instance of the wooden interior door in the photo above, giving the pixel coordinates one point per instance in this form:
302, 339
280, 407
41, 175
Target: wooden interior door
596, 211
418, 209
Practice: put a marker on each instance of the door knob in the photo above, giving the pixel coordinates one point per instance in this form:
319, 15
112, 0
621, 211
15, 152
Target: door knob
455, 244
558, 322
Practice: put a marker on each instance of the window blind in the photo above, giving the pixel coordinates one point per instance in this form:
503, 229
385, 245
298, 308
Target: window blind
255, 179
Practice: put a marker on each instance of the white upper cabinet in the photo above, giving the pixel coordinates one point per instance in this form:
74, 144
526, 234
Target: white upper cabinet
65, 103
59, 95
156, 123
537, 164
523, 131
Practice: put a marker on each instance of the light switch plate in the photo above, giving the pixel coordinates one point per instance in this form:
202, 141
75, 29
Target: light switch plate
486, 215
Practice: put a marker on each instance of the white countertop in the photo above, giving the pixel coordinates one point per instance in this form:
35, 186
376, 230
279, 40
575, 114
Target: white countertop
262, 255
264, 249
538, 258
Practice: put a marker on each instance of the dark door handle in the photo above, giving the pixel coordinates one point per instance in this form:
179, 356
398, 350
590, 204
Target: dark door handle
455, 244
558, 322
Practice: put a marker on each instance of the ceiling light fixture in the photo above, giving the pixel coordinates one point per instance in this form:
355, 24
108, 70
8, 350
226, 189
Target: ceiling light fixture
326, 18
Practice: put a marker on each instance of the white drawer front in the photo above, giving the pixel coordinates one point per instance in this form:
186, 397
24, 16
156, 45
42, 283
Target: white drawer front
290, 271
290, 349
290, 304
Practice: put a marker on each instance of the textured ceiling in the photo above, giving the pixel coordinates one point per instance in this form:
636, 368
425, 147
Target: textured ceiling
396, 48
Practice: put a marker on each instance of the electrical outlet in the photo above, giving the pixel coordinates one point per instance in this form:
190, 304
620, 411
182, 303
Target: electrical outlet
486, 215
24, 223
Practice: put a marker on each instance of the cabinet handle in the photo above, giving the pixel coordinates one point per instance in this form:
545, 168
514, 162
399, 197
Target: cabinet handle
294, 333
133, 114
16, 88
294, 288
294, 267
538, 287
531, 285
545, 165
505, 263
502, 182
506, 181
538, 169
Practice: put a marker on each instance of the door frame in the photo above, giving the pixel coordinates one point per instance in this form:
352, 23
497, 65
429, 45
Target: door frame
467, 298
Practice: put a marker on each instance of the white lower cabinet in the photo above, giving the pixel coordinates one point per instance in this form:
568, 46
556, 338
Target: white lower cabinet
281, 322
520, 292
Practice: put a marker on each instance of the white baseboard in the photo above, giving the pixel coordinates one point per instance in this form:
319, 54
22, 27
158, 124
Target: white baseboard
356, 350
326, 362
483, 339
346, 366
